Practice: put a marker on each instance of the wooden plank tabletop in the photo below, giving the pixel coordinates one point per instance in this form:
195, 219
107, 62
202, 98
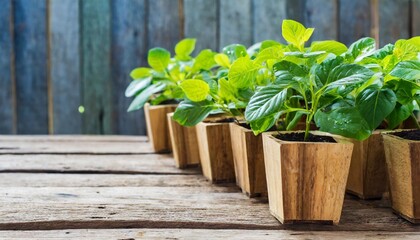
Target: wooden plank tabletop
113, 187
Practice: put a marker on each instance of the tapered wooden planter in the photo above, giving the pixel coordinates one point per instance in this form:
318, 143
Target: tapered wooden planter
215, 152
248, 158
367, 176
157, 126
403, 164
306, 180
184, 144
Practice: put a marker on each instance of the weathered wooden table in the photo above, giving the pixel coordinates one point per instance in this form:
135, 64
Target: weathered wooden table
115, 187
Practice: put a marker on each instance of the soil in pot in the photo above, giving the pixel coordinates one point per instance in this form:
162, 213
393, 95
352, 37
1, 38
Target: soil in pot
409, 134
299, 137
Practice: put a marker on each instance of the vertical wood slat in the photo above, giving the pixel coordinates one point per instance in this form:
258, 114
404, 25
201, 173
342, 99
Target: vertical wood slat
96, 55
323, 16
355, 20
128, 51
65, 66
235, 22
415, 18
201, 22
267, 19
163, 24
30, 21
393, 20
7, 121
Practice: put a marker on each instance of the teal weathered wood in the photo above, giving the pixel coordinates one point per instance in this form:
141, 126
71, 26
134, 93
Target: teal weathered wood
96, 66
163, 24
30, 34
235, 22
267, 19
355, 20
128, 52
393, 20
323, 16
7, 120
415, 20
200, 22
65, 66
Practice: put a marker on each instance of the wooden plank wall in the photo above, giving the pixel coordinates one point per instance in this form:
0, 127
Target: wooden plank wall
62, 56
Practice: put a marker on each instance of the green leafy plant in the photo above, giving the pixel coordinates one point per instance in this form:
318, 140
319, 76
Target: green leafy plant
163, 81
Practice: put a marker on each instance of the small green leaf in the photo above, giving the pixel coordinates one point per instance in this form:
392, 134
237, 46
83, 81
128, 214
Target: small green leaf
191, 113
267, 101
242, 73
362, 48
144, 96
196, 90
184, 48
137, 86
140, 73
263, 124
222, 59
273, 52
158, 58
330, 46
235, 51
226, 91
204, 61
408, 70
399, 114
269, 43
295, 33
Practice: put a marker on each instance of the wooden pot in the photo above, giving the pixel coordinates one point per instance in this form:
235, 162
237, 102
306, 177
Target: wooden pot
403, 165
306, 180
184, 144
157, 126
368, 176
248, 159
215, 151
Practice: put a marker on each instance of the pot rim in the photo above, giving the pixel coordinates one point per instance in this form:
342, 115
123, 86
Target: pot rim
339, 139
389, 134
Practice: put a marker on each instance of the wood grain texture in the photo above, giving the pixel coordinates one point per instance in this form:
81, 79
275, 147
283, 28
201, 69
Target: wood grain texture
235, 23
368, 176
323, 16
415, 18
157, 126
30, 35
393, 20
215, 148
65, 52
105, 164
151, 233
267, 19
248, 159
355, 20
184, 144
306, 181
163, 24
96, 66
403, 161
128, 52
7, 94
201, 22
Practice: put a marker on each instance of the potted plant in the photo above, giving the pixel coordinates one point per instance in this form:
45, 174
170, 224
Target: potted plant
307, 170
402, 147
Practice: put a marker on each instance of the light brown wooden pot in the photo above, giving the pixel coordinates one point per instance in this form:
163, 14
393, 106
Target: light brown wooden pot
248, 158
368, 176
184, 144
403, 164
157, 126
306, 180
215, 151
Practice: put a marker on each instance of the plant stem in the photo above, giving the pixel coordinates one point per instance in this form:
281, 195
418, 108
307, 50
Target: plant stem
416, 122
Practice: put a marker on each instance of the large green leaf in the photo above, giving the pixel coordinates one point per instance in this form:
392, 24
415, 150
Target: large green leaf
346, 122
330, 46
408, 70
263, 124
362, 48
375, 104
405, 91
348, 75
242, 73
273, 52
399, 114
295, 33
144, 96
204, 61
196, 90
267, 101
191, 113
158, 58
184, 48
137, 86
